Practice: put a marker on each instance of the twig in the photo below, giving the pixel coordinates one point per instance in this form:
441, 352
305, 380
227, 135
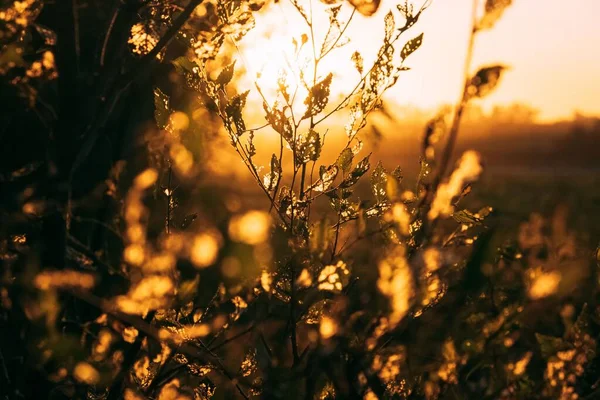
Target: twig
108, 33
234, 337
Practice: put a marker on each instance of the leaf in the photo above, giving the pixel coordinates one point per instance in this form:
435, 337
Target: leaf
187, 221
359, 170
188, 289
333, 35
162, 108
550, 345
47, 34
390, 25
493, 11
234, 112
485, 81
183, 64
411, 46
278, 121
379, 183
344, 160
318, 97
270, 181
366, 7
467, 217
309, 148
357, 59
249, 364
316, 311
581, 325
226, 74
327, 176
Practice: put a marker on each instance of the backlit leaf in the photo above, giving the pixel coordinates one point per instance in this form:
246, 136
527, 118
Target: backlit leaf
226, 74
234, 112
327, 176
278, 121
318, 97
344, 160
309, 147
359, 170
379, 183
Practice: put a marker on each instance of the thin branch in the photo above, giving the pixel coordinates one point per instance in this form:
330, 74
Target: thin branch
111, 25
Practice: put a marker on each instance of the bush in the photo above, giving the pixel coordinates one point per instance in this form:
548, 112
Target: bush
130, 272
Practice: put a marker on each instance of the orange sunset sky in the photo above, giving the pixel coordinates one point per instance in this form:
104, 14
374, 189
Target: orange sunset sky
551, 46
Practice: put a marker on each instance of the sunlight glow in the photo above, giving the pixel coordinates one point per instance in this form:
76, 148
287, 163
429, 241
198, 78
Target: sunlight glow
279, 50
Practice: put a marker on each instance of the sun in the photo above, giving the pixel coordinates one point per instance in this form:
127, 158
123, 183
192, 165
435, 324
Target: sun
280, 51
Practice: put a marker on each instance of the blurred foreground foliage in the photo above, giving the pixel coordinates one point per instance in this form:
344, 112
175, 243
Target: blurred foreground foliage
128, 273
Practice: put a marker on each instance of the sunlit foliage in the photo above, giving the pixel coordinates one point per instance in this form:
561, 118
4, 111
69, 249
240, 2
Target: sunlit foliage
181, 290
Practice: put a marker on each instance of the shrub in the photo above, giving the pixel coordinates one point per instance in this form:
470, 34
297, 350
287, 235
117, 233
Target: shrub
129, 276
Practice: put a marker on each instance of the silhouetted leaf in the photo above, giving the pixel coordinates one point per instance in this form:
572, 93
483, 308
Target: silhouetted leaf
234, 111
411, 46
359, 170
187, 221
270, 181
485, 81
357, 59
318, 97
493, 11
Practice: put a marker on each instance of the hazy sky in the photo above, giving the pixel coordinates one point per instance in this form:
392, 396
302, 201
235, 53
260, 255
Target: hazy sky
552, 47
